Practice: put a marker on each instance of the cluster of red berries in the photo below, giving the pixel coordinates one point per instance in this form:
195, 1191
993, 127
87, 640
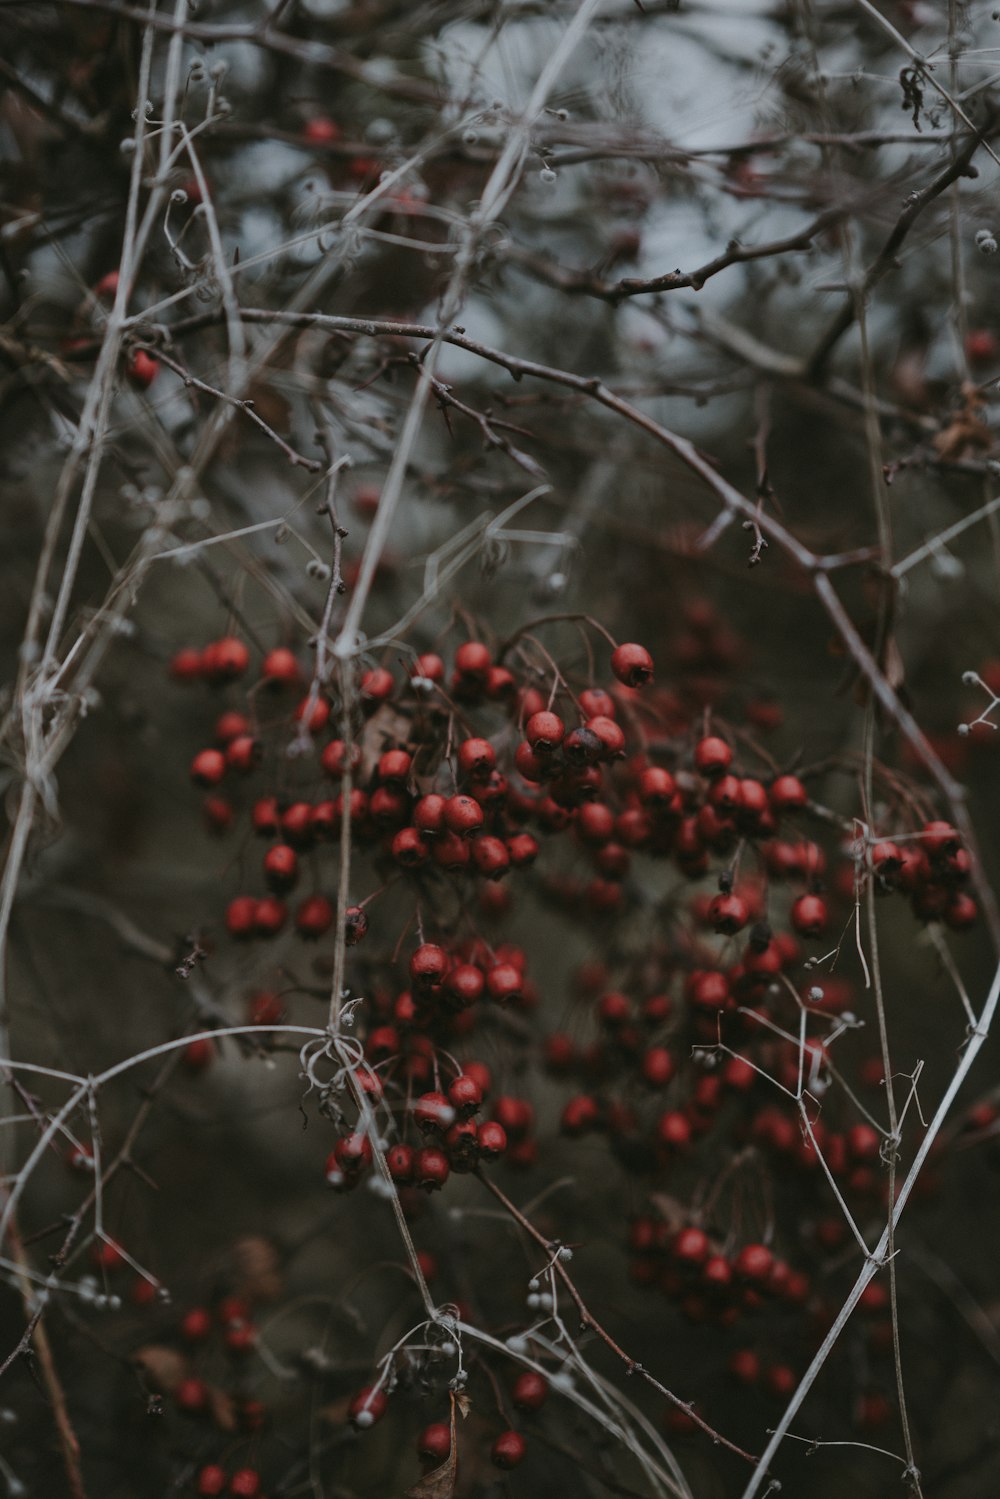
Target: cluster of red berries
444, 1120
470, 771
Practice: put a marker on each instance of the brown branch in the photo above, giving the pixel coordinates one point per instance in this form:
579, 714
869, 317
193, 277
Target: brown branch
588, 1319
885, 261
590, 284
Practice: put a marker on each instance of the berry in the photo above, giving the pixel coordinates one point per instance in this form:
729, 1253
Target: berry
544, 732
433, 1113
321, 131
508, 1450
434, 1442
211, 1481
191, 1396
809, 915
208, 767
196, 1324
788, 794
728, 914
400, 1160
428, 966
246, 1483
754, 1263
279, 668
367, 1407
241, 915
465, 1095
314, 917
530, 1391
610, 735
632, 664
473, 662
143, 369
492, 1140
462, 815
281, 867
476, 758
712, 756
431, 1168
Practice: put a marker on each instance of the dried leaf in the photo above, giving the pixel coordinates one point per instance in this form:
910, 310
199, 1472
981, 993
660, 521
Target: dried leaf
258, 1268
962, 435
222, 1408
163, 1368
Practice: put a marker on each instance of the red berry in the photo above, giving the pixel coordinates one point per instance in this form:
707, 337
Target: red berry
281, 867
939, 838
492, 1140
530, 1391
143, 369
269, 916
208, 767
355, 925
508, 1450
321, 131
465, 1095
691, 1247
211, 1481
428, 966
473, 661
229, 726
400, 1161
491, 857
787, 794
280, 668
315, 717
394, 765
434, 1442
544, 732
241, 916
433, 1113
728, 914
408, 848
504, 983
431, 1168
314, 916
367, 1407
336, 758
376, 686
580, 1115
596, 703
476, 757
753, 1263
463, 986
632, 664
430, 667
658, 1066
809, 915
611, 736
744, 1366
191, 1395
265, 817
712, 756
198, 1054
185, 665
462, 816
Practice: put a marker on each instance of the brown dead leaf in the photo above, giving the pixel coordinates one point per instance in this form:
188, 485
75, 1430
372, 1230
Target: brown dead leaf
222, 1408
440, 1482
163, 1368
258, 1268
964, 434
